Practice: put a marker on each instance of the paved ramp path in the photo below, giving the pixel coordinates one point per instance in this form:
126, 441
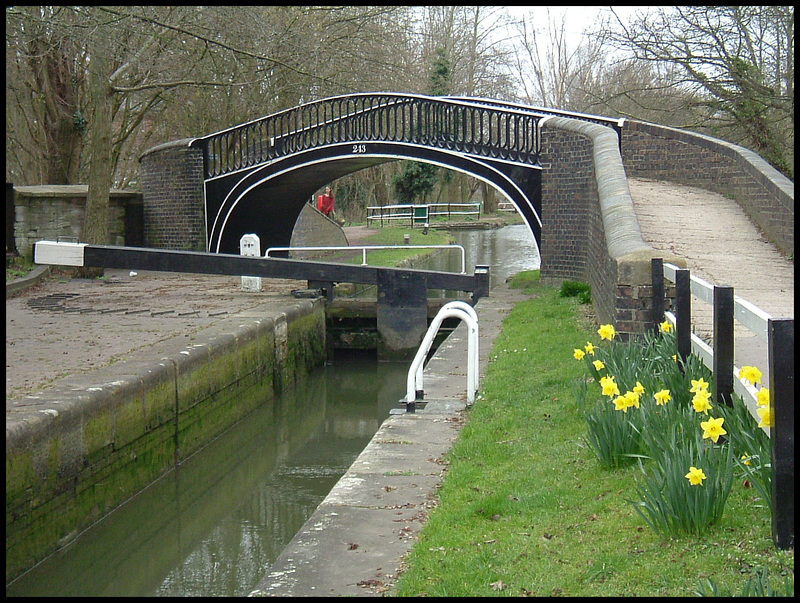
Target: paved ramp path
722, 246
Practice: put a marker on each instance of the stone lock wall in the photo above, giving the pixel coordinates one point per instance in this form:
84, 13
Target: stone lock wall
47, 212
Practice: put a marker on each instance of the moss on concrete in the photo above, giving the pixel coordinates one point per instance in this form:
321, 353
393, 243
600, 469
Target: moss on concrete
66, 471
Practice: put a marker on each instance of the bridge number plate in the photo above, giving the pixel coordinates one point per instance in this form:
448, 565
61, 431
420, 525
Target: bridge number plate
359, 148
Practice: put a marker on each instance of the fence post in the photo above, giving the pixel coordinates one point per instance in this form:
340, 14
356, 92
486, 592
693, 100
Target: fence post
657, 271
781, 389
683, 314
723, 344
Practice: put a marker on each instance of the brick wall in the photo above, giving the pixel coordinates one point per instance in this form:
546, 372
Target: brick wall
589, 228
172, 194
45, 213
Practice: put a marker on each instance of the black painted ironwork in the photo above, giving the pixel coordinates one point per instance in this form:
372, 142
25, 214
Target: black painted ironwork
505, 133
615, 123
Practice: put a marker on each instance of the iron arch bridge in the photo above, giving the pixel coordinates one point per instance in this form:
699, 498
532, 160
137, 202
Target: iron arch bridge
258, 175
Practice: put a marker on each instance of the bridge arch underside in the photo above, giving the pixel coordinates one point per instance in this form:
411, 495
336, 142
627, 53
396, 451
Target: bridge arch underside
267, 200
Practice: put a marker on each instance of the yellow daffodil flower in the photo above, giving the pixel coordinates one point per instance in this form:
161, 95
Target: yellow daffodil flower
695, 476
598, 364
662, 397
639, 389
632, 399
751, 374
746, 459
699, 385
621, 403
666, 326
713, 428
607, 332
589, 348
579, 354
767, 416
609, 386
763, 397
700, 402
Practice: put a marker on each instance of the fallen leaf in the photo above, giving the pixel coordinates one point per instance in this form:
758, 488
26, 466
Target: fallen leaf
352, 547
497, 585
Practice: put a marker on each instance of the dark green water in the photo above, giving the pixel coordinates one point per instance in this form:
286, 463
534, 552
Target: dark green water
214, 525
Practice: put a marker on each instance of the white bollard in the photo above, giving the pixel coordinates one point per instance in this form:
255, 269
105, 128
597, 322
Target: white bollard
250, 245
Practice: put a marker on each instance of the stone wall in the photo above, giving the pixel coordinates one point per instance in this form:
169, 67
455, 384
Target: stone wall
172, 194
662, 153
49, 212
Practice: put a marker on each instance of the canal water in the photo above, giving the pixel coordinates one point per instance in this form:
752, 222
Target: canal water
214, 525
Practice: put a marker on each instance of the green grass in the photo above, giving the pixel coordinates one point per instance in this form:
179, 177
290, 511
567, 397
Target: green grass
526, 509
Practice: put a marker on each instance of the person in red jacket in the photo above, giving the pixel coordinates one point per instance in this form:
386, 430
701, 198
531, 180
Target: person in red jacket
325, 202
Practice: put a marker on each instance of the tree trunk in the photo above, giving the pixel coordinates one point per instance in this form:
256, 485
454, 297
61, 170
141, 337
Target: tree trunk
95, 222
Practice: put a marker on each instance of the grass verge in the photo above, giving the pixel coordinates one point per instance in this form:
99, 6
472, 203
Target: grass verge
526, 510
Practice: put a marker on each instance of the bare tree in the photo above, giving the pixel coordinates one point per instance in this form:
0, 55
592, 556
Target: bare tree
736, 64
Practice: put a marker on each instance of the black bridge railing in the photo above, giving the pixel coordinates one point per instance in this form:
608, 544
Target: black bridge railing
507, 133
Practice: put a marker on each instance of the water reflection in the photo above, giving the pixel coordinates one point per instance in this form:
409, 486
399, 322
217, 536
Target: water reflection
214, 525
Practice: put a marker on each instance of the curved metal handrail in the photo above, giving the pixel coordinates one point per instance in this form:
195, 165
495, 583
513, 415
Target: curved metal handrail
460, 125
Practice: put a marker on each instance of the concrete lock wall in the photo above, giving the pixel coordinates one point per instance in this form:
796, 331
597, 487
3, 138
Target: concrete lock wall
48, 212
88, 443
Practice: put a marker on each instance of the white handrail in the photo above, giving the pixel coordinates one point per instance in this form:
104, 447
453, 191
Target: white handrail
453, 309
364, 249
462, 305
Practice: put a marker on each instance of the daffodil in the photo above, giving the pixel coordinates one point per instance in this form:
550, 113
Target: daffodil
746, 459
589, 348
695, 476
763, 397
699, 385
621, 403
607, 332
767, 416
639, 389
662, 397
700, 401
579, 354
751, 374
598, 364
666, 326
632, 399
609, 386
713, 428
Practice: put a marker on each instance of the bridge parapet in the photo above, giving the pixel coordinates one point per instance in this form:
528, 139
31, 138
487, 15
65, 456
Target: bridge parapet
505, 133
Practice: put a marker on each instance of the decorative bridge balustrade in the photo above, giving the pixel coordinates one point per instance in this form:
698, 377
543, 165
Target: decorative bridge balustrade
500, 132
